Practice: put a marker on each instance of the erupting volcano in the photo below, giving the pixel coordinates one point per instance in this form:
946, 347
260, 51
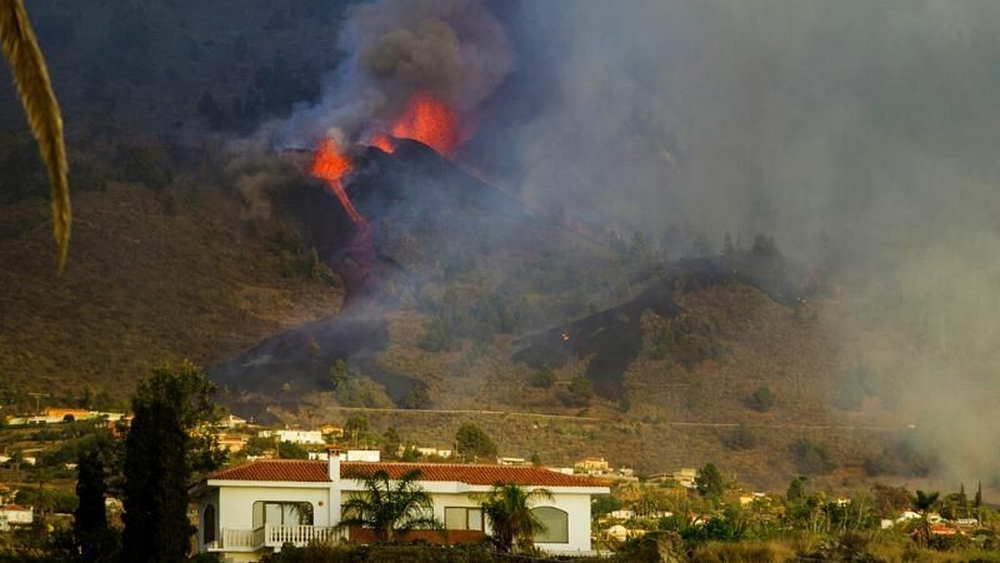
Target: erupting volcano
426, 119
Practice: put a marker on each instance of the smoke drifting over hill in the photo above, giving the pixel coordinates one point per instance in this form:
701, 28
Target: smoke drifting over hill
860, 134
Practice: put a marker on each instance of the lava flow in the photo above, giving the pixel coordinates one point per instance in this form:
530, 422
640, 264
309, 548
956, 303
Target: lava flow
331, 165
428, 120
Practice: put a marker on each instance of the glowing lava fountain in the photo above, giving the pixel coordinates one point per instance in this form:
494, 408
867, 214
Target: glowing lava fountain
331, 165
428, 120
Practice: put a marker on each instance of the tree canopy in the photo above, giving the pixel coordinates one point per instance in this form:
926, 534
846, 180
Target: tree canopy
508, 508
472, 442
390, 507
168, 446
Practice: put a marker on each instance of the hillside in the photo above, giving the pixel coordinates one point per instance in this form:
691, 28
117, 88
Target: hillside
147, 282
649, 344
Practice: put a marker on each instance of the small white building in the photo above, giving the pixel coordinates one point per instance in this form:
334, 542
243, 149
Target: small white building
15, 515
305, 437
231, 421
369, 456
251, 509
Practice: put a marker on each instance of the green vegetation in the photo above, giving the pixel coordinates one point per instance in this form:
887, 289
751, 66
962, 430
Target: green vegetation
762, 399
471, 442
508, 508
813, 457
543, 377
390, 507
168, 446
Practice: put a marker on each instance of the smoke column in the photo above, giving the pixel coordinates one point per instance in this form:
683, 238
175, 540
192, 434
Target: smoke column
454, 49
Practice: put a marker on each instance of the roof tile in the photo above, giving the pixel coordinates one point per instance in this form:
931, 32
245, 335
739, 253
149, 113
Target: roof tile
316, 471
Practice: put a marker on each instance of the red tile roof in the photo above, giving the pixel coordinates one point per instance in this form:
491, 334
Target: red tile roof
316, 471
276, 470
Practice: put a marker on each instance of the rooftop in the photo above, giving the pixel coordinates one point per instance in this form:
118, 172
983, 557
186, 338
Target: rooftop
316, 471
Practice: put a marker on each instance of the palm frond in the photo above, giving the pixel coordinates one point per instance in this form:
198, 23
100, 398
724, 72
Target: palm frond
20, 48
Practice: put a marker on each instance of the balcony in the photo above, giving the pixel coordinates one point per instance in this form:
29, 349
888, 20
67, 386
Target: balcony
271, 536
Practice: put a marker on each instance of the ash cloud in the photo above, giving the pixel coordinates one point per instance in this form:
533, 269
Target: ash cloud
857, 130
454, 49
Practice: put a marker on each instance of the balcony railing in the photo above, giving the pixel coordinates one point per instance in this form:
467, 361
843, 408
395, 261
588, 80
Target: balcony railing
273, 536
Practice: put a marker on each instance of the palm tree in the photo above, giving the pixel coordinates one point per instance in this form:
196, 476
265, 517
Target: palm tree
924, 503
390, 507
20, 48
508, 508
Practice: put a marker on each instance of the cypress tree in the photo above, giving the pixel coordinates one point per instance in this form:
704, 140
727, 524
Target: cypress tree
90, 519
166, 446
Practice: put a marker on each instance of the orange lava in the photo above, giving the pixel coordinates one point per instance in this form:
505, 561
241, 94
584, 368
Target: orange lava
384, 142
430, 121
331, 165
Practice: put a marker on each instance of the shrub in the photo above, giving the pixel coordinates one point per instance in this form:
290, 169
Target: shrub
544, 377
762, 399
813, 457
741, 438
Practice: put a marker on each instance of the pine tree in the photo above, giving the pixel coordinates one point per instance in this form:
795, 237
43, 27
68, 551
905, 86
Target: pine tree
166, 446
94, 540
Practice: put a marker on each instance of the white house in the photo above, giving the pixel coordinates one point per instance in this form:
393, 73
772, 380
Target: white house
13, 515
351, 455
248, 510
314, 437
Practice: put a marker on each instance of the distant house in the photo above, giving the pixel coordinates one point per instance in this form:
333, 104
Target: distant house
247, 510
512, 461
232, 443
592, 465
332, 430
432, 452
622, 514
370, 456
686, 477
306, 437
231, 421
54, 415
14, 515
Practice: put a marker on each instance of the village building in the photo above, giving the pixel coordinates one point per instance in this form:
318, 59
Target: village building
592, 465
12, 515
332, 430
370, 456
304, 437
231, 422
248, 510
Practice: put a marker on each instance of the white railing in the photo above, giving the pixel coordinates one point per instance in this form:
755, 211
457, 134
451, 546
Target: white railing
277, 536
236, 540
270, 535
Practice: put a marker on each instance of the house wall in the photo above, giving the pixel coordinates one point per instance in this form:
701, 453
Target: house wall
578, 507
234, 505
17, 515
236, 502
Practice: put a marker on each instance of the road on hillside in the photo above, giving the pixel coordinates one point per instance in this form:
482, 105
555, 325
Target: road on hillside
521, 414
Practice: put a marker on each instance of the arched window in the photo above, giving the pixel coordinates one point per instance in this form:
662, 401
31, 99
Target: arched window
208, 525
556, 523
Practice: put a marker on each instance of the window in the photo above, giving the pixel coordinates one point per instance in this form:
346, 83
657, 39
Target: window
463, 518
556, 523
208, 524
282, 513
